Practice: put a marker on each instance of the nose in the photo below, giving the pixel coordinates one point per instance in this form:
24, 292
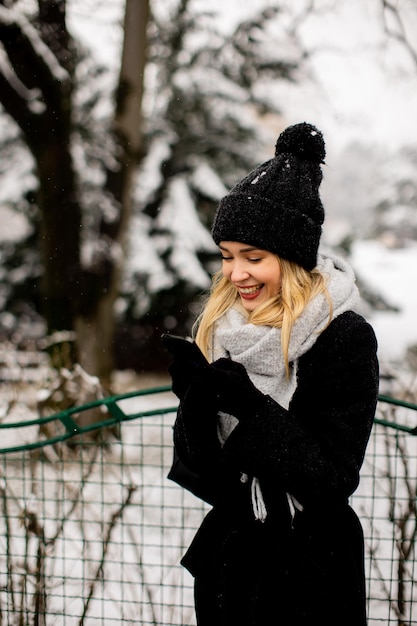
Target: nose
238, 272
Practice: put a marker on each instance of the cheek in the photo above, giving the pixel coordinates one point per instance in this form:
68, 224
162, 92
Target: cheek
226, 271
277, 289
275, 285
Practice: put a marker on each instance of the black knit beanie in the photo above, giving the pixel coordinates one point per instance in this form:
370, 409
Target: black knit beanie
277, 206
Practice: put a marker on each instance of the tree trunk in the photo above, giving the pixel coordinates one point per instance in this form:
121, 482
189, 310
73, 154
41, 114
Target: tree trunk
60, 220
95, 331
39, 98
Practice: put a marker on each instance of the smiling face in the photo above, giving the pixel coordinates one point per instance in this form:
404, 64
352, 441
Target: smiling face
254, 272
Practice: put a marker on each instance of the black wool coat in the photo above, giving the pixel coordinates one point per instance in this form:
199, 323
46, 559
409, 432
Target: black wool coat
287, 570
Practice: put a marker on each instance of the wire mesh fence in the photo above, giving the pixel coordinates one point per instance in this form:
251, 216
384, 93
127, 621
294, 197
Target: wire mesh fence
93, 532
387, 506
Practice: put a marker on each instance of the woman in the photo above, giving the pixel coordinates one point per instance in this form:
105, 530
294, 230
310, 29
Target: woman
276, 426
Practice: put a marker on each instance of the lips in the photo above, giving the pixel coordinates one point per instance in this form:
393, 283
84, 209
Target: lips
250, 292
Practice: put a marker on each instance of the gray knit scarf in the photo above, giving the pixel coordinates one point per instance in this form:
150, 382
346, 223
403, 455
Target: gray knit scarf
259, 349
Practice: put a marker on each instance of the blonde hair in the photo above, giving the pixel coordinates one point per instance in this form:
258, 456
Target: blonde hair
298, 288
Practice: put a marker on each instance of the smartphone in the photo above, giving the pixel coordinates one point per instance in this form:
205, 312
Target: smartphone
183, 350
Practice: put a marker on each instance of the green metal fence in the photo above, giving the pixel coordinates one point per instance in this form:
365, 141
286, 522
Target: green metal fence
92, 531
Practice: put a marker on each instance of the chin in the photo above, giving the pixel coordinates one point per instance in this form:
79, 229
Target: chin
249, 305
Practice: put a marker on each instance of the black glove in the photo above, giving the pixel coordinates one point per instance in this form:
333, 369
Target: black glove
188, 362
235, 391
195, 429
183, 374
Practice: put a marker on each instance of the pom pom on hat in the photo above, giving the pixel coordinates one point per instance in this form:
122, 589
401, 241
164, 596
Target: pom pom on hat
277, 206
302, 140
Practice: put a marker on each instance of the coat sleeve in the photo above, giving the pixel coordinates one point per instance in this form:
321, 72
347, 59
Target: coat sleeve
197, 446
314, 450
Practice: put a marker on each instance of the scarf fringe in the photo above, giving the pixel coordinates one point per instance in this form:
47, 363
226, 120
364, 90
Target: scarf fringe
258, 503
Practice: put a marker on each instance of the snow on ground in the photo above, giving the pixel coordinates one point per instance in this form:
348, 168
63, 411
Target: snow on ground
393, 273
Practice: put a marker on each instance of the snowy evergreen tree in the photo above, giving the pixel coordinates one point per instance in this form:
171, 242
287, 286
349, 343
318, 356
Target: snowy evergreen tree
202, 107
203, 111
395, 209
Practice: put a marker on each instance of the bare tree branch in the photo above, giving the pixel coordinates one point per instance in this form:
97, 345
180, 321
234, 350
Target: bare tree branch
105, 546
399, 34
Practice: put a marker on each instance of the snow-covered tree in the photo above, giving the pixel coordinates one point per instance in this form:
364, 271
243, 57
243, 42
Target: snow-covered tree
40, 78
202, 105
203, 108
395, 209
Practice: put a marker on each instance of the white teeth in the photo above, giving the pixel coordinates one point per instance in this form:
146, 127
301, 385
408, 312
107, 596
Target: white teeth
249, 290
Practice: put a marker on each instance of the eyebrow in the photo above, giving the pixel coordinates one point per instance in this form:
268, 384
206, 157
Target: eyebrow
248, 249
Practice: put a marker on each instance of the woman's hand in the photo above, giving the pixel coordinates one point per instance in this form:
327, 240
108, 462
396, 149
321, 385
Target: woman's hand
183, 374
223, 383
236, 394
